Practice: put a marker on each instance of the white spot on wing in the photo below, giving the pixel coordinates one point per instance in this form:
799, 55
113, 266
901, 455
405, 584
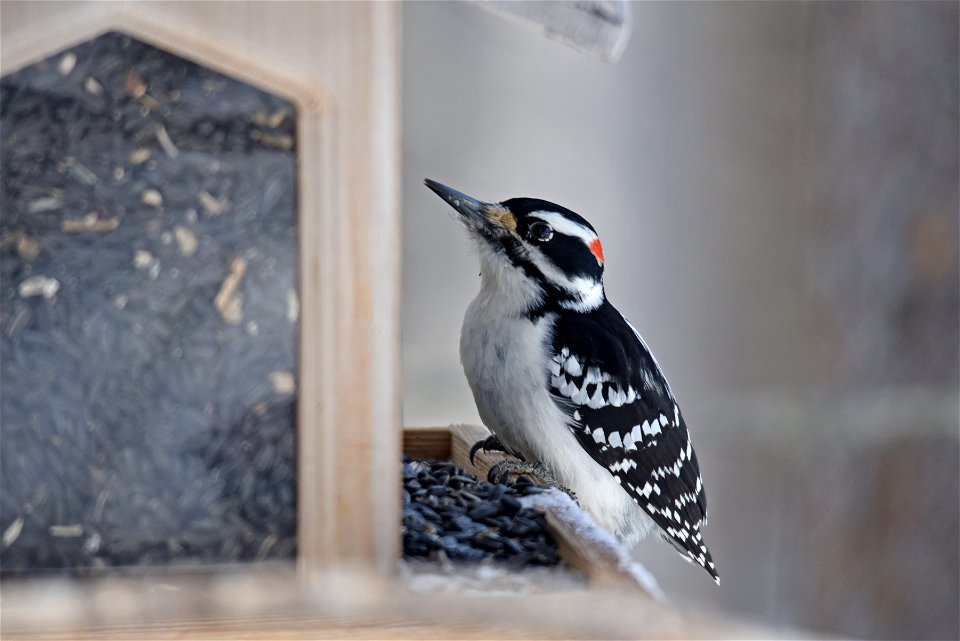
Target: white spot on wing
572, 366
579, 396
617, 397
651, 428
596, 401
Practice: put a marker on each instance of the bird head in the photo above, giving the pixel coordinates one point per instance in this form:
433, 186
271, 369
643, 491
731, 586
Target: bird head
533, 251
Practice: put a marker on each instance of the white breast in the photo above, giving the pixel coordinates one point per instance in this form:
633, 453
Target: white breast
504, 357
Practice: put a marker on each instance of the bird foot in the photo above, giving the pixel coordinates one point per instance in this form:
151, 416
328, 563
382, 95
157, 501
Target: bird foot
501, 472
489, 444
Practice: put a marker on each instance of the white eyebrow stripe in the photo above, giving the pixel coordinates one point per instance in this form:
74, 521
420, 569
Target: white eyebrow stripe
563, 225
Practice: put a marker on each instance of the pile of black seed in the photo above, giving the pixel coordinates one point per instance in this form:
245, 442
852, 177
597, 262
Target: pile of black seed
148, 313
449, 513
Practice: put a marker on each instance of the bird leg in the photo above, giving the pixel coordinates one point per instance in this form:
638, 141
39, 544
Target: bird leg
501, 472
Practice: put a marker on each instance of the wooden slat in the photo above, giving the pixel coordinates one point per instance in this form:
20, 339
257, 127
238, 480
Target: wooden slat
463, 438
427, 442
599, 564
268, 604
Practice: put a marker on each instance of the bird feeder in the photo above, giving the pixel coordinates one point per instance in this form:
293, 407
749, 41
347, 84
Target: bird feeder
200, 329
201, 233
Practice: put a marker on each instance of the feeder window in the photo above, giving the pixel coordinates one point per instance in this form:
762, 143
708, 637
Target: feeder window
149, 313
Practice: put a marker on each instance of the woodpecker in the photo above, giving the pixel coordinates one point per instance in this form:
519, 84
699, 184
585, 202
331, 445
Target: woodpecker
566, 384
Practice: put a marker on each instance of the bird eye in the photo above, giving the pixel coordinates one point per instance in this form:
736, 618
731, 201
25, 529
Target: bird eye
539, 232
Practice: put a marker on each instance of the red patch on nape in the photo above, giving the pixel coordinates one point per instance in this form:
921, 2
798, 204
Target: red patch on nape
597, 250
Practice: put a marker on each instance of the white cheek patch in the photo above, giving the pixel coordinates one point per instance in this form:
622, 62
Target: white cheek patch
588, 293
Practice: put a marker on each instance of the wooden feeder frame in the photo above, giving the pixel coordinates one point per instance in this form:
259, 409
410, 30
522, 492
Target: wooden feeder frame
348, 223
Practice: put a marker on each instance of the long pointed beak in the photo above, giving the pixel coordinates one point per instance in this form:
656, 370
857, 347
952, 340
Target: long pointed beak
484, 217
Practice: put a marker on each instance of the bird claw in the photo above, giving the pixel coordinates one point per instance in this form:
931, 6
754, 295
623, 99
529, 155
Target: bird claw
489, 444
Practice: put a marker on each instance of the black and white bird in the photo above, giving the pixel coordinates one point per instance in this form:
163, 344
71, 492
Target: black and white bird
566, 383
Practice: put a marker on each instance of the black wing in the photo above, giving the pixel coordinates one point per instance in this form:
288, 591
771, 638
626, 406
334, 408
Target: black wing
625, 416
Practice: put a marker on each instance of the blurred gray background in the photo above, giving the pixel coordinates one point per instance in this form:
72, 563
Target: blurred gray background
776, 187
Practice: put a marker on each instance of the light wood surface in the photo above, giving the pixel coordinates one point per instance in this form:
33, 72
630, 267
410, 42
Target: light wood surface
267, 603
463, 438
339, 64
